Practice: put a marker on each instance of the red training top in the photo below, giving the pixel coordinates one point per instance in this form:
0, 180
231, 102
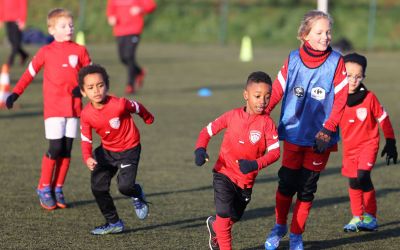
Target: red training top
359, 127
113, 123
249, 137
62, 62
129, 22
13, 10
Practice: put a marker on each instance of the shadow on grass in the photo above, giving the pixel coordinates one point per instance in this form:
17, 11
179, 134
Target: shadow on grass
22, 114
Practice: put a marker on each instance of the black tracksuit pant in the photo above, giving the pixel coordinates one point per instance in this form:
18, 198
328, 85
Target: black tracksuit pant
14, 35
127, 46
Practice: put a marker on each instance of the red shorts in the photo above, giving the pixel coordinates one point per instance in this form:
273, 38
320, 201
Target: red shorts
352, 164
296, 157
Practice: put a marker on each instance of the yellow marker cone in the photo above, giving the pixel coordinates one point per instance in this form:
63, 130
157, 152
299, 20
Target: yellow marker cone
246, 50
80, 38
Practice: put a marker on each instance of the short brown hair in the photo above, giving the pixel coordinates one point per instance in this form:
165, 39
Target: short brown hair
54, 14
307, 21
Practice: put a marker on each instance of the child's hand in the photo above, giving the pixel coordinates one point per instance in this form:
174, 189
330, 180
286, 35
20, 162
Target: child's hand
11, 99
390, 150
112, 20
148, 119
201, 156
76, 92
91, 163
322, 140
247, 166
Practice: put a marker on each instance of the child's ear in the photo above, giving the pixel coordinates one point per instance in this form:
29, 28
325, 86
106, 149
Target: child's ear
245, 95
51, 31
83, 93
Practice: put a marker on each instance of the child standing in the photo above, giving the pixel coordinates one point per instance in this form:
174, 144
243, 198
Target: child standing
127, 19
359, 125
120, 146
61, 61
313, 87
250, 143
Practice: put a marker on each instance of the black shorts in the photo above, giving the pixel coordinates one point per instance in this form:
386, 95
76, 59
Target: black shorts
230, 200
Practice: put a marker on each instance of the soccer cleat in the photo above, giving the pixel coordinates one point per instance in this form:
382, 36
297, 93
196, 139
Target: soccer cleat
140, 203
275, 236
213, 243
109, 228
369, 223
60, 200
46, 198
295, 242
353, 225
129, 90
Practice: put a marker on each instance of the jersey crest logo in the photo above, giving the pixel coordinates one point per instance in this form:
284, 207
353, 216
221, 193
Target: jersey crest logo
361, 114
115, 123
318, 93
255, 136
73, 60
298, 91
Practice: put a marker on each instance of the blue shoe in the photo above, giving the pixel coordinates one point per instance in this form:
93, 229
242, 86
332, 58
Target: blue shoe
369, 223
60, 200
273, 239
46, 198
353, 225
140, 203
295, 242
109, 228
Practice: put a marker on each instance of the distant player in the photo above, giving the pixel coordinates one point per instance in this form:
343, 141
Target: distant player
250, 143
313, 87
61, 61
360, 133
127, 19
120, 146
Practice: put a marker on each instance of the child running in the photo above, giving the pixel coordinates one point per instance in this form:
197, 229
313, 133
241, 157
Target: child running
313, 87
360, 133
250, 143
62, 59
120, 146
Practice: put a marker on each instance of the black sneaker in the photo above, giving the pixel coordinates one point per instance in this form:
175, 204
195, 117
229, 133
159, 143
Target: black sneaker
213, 243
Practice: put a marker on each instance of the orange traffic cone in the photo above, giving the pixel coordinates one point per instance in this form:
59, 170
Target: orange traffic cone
4, 85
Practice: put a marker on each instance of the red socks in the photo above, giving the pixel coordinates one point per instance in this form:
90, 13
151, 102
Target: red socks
300, 215
283, 204
370, 202
356, 201
47, 172
62, 166
222, 227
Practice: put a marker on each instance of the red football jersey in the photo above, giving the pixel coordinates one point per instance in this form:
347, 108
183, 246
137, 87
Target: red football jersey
61, 62
113, 123
129, 23
13, 10
359, 127
249, 137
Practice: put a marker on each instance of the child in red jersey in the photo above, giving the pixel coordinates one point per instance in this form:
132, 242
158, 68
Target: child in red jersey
313, 87
61, 61
360, 133
13, 15
127, 19
120, 146
250, 143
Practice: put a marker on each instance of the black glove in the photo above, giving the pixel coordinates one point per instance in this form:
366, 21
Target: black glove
390, 151
247, 166
76, 92
201, 156
11, 99
322, 140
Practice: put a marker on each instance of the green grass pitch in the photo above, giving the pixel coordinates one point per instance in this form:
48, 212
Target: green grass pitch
180, 193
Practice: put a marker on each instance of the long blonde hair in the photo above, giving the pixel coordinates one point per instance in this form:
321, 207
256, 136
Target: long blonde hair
308, 20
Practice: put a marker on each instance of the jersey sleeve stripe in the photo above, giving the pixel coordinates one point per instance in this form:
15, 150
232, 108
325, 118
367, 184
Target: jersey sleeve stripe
383, 116
209, 130
273, 146
31, 70
84, 138
136, 106
282, 80
341, 85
